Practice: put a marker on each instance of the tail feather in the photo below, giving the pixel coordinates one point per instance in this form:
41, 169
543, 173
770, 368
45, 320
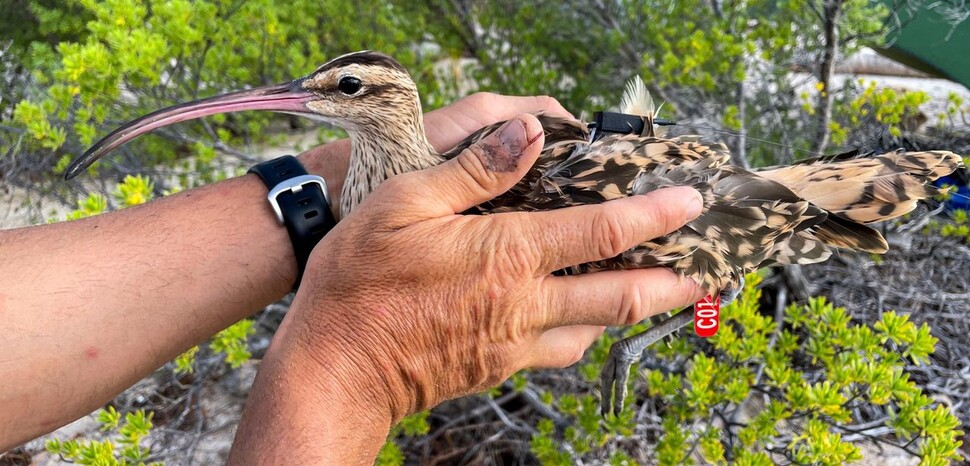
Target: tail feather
636, 100
841, 232
867, 189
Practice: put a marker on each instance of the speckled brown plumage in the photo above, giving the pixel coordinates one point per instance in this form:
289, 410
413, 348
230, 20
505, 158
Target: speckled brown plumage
781, 215
784, 215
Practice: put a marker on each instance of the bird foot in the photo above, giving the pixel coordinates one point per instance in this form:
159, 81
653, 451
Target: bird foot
729, 294
625, 352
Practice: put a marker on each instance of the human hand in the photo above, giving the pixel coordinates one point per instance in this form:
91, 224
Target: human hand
449, 125
429, 305
446, 127
406, 303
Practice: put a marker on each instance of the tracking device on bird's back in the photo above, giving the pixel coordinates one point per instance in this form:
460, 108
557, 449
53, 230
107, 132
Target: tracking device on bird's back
301, 204
622, 123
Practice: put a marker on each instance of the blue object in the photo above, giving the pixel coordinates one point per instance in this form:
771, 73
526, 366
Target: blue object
959, 196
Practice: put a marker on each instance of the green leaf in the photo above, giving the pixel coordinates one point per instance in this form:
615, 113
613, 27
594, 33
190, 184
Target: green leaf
232, 342
415, 424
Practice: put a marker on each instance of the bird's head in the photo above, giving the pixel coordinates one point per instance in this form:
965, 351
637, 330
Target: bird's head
361, 90
357, 91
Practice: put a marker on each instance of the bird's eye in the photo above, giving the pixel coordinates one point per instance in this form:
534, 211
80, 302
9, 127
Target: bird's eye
349, 85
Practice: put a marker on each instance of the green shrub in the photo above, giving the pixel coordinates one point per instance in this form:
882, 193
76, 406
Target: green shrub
123, 448
99, 63
759, 392
415, 425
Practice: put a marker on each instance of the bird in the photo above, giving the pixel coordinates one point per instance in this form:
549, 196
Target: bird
794, 214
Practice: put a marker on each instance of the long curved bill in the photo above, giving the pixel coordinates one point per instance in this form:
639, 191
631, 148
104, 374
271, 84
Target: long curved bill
285, 98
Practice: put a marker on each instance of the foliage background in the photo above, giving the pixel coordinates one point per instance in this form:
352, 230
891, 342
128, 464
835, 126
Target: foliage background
757, 74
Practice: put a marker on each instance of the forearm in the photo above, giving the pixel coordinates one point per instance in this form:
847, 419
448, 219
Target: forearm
100, 302
314, 408
89, 307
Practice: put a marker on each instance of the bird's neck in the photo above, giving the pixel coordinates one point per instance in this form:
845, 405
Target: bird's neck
381, 151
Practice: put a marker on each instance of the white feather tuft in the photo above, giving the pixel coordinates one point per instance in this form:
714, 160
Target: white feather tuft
636, 99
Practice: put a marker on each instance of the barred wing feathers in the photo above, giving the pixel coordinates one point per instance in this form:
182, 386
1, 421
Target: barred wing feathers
781, 215
868, 189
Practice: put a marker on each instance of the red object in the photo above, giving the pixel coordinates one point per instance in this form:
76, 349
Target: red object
707, 316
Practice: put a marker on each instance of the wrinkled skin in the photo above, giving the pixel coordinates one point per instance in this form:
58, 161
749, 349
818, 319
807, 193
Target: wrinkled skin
406, 303
103, 301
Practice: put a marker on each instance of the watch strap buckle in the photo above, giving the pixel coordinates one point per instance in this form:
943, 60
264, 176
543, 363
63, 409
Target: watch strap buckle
294, 185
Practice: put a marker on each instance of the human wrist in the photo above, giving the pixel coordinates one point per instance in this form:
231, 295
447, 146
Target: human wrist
332, 408
334, 376
348, 361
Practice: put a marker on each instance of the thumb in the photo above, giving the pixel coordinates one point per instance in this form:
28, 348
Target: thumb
484, 170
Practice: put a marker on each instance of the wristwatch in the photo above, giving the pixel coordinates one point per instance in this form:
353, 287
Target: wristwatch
301, 204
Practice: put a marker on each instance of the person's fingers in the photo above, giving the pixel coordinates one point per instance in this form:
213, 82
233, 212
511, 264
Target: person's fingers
546, 104
450, 125
588, 233
481, 172
562, 346
502, 107
616, 297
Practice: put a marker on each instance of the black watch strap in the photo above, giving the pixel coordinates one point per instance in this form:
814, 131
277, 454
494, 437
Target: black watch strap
300, 202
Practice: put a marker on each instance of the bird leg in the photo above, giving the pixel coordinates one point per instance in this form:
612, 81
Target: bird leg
625, 352
729, 294
628, 350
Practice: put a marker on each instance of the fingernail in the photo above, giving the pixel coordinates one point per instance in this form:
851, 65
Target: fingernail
512, 134
503, 149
